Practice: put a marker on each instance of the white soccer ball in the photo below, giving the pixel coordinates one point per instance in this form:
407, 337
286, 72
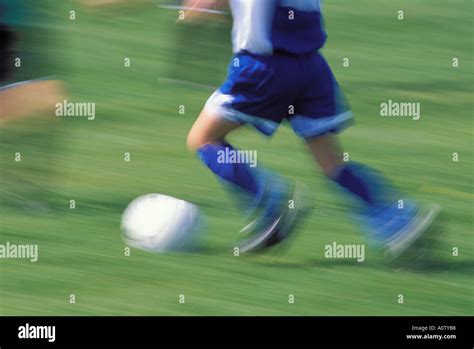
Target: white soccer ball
160, 223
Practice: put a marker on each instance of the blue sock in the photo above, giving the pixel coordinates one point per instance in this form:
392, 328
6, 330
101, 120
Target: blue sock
366, 184
239, 174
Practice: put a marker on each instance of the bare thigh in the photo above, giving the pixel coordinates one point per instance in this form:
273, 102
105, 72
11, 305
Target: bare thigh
210, 127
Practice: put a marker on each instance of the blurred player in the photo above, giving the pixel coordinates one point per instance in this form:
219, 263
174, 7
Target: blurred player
277, 73
26, 84
29, 90
29, 86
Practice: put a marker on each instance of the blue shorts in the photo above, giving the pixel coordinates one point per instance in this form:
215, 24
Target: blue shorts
265, 90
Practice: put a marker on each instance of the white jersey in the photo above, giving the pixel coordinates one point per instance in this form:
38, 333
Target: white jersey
266, 26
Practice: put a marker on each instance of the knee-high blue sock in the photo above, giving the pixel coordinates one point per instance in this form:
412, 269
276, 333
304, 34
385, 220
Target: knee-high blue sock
366, 184
241, 175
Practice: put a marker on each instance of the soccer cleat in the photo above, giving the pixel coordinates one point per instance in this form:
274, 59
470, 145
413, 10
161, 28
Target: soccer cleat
277, 222
270, 204
396, 230
397, 244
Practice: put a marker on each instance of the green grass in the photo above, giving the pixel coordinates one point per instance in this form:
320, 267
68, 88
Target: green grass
81, 251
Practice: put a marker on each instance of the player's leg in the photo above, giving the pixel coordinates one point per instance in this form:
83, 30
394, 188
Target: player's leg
30, 98
366, 185
263, 194
327, 152
207, 139
246, 93
393, 223
390, 220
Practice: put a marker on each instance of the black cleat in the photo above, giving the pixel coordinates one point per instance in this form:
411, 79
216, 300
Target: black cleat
279, 225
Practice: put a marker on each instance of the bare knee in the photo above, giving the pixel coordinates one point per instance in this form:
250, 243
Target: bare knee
201, 134
208, 128
196, 140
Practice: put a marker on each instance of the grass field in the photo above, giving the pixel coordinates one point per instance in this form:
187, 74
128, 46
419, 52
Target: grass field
137, 111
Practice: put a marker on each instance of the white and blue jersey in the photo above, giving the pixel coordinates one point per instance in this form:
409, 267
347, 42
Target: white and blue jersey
267, 26
277, 72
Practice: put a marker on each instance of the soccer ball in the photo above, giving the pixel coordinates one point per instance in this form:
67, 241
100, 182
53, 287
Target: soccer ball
160, 223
